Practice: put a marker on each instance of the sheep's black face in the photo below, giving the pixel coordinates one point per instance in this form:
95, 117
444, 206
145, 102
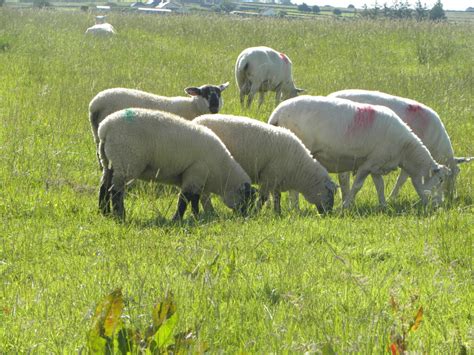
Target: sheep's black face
248, 195
327, 202
210, 93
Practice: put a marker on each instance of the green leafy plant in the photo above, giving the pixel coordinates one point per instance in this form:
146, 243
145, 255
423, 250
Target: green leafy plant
109, 335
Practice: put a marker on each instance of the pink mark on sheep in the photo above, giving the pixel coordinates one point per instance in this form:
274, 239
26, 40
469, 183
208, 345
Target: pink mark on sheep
363, 119
284, 58
417, 118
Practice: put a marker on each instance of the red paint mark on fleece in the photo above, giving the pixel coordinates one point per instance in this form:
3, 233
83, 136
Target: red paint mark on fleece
284, 58
363, 119
417, 118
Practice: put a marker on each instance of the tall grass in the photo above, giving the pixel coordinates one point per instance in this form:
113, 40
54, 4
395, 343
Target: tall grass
297, 282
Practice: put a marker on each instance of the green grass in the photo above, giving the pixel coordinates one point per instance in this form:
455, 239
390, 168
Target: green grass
264, 284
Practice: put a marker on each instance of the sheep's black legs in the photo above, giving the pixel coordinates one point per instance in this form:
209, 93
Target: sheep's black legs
117, 203
183, 200
104, 191
195, 204
276, 201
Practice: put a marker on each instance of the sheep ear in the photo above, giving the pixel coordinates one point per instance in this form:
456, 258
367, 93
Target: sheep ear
193, 91
224, 86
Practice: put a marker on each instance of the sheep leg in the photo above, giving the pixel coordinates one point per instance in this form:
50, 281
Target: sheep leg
253, 90
379, 186
262, 199
104, 191
261, 98
276, 202
345, 183
195, 204
207, 203
277, 96
293, 197
183, 200
402, 177
356, 186
117, 203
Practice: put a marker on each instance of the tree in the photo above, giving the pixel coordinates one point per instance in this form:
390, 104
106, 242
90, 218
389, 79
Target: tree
337, 12
304, 7
421, 12
351, 6
437, 12
316, 9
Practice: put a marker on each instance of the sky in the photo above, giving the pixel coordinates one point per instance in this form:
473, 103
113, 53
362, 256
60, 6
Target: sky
447, 4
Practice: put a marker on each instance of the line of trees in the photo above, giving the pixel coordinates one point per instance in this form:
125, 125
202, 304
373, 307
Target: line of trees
403, 10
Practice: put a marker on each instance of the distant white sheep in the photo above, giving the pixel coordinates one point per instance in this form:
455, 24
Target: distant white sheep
101, 28
274, 158
262, 69
154, 145
203, 99
347, 136
424, 122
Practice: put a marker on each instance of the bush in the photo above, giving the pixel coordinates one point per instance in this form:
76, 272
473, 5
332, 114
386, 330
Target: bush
437, 12
304, 7
316, 9
337, 12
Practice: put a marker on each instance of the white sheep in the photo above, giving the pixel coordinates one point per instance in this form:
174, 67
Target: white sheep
101, 28
274, 158
155, 145
423, 121
348, 136
203, 99
262, 69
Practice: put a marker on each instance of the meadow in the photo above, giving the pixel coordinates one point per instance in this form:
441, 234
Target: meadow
347, 282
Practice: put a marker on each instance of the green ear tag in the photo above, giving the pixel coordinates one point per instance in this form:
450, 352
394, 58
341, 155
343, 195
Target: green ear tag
129, 115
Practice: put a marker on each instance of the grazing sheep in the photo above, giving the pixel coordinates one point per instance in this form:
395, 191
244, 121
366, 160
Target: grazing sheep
348, 136
262, 69
274, 158
424, 122
101, 28
154, 145
204, 99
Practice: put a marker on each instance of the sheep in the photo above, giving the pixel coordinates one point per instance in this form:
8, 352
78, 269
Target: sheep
262, 69
154, 145
101, 28
348, 136
274, 158
424, 122
204, 99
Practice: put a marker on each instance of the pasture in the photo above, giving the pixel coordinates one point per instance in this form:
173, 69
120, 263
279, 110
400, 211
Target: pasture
348, 282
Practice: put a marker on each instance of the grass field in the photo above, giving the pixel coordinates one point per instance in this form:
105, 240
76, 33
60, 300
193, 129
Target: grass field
295, 283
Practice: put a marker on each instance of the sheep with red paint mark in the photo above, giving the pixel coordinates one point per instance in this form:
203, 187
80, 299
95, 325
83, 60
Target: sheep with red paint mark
424, 122
262, 69
346, 136
160, 146
201, 100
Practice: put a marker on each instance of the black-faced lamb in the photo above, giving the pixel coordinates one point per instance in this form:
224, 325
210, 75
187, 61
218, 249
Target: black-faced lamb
274, 158
423, 121
262, 69
154, 145
347, 136
203, 99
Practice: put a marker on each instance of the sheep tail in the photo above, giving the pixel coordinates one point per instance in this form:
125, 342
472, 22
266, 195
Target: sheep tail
460, 160
102, 156
94, 118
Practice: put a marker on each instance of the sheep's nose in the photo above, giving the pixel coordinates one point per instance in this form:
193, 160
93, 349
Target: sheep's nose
214, 109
